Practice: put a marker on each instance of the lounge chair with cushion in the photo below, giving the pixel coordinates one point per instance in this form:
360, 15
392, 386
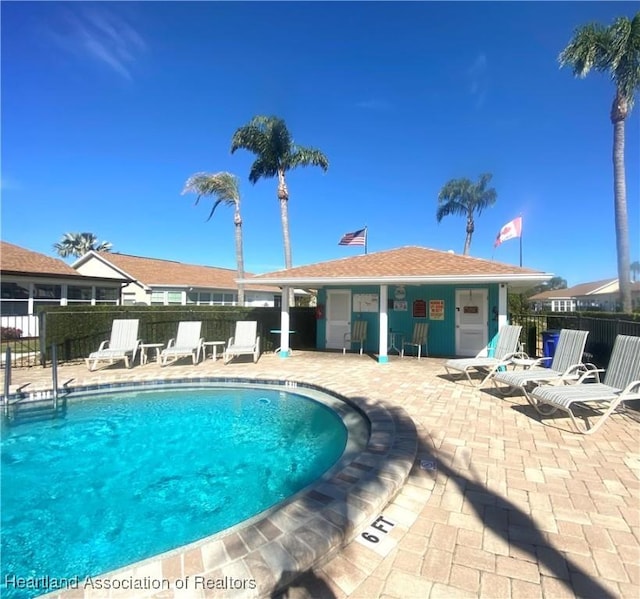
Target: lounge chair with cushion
418, 339
124, 343
506, 349
358, 334
566, 366
621, 383
245, 341
187, 342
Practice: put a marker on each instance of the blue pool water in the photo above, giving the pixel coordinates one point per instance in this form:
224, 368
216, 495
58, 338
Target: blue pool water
125, 477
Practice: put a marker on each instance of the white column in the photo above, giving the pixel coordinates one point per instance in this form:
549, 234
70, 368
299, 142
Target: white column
285, 352
503, 305
384, 325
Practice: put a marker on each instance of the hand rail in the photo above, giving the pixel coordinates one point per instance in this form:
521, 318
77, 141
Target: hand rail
54, 375
7, 380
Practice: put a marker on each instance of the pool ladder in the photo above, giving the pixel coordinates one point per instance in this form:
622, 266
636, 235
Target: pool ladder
36, 398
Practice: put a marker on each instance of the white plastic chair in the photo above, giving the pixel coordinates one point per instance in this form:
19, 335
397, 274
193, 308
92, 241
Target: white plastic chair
187, 342
245, 341
123, 343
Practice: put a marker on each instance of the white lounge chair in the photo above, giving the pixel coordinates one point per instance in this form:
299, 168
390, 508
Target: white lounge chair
621, 383
124, 343
418, 339
358, 334
245, 341
187, 342
566, 366
506, 349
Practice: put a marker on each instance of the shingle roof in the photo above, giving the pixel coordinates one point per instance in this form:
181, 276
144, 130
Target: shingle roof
575, 291
18, 260
155, 272
405, 262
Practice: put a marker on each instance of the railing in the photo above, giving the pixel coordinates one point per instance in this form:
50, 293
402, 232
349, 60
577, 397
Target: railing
7, 381
602, 331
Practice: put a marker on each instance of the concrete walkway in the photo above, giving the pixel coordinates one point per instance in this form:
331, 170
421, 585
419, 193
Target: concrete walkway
499, 504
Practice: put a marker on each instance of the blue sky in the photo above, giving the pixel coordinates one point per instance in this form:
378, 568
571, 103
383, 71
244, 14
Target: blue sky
108, 107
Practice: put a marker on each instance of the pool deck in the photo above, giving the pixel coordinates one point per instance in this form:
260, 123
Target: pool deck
496, 504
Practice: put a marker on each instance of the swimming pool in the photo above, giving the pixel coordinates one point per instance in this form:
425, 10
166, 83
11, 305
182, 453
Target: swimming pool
97, 509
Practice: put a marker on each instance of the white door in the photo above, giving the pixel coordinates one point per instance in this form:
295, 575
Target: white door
471, 321
338, 317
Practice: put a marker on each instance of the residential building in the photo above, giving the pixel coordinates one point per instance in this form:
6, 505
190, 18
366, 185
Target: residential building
157, 282
596, 295
31, 280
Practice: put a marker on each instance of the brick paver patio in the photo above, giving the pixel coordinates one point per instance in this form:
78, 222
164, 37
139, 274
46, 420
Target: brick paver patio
498, 504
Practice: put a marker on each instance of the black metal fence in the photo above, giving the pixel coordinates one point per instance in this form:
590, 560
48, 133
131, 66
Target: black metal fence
602, 331
76, 332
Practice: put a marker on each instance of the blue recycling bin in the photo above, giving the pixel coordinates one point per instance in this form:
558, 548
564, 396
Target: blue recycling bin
549, 344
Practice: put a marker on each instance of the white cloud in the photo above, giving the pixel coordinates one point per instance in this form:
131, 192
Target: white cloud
479, 79
99, 34
374, 104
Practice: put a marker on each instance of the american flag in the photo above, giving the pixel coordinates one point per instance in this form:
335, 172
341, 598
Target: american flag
355, 238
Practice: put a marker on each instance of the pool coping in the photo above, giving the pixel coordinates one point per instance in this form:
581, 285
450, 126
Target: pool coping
270, 552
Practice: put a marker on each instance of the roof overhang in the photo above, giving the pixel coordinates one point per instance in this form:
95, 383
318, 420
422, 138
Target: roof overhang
516, 280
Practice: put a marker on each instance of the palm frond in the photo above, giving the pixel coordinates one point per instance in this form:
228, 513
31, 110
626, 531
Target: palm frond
263, 166
222, 186
302, 156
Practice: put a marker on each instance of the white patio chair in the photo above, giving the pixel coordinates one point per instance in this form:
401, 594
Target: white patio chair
506, 349
358, 334
187, 342
566, 366
418, 339
123, 343
621, 383
246, 341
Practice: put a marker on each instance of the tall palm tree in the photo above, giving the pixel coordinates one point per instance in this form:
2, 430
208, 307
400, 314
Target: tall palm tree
224, 188
276, 153
78, 244
463, 197
615, 50
634, 267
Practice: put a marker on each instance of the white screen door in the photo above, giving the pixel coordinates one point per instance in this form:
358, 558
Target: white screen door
471, 321
338, 317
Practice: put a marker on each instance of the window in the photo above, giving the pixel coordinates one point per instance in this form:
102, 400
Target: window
15, 290
174, 297
157, 298
218, 299
47, 292
192, 297
205, 298
107, 295
79, 294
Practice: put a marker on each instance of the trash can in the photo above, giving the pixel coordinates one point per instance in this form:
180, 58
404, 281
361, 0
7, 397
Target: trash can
549, 344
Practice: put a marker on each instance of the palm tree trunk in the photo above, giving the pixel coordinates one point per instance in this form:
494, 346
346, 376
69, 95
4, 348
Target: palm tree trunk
619, 112
237, 221
283, 196
467, 241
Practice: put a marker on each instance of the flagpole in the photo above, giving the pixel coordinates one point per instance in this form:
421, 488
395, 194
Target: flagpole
366, 238
521, 239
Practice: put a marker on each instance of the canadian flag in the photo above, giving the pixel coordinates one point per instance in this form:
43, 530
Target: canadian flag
511, 230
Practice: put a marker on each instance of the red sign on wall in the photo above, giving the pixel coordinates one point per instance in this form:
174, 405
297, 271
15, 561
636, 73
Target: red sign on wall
419, 309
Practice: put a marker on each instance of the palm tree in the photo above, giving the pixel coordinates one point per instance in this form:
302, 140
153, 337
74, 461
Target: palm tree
634, 267
276, 153
78, 244
461, 196
615, 50
224, 187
